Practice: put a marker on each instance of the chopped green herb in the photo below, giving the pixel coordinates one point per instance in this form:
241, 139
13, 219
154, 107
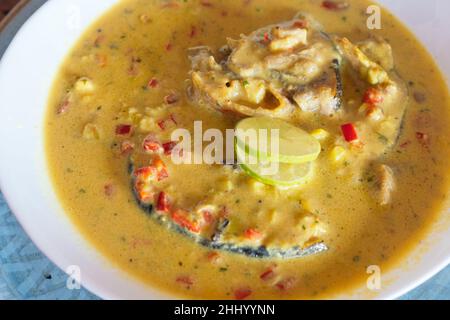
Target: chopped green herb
383, 139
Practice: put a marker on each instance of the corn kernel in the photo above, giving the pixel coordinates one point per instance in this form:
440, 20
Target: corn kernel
226, 185
338, 154
377, 75
255, 90
84, 86
387, 128
147, 124
320, 134
91, 132
257, 186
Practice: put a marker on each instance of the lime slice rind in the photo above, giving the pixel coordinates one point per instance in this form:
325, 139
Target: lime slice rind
285, 174
295, 145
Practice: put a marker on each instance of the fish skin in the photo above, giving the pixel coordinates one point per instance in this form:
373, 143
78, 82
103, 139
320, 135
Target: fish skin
259, 252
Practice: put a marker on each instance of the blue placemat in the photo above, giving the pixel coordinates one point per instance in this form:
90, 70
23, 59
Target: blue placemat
25, 273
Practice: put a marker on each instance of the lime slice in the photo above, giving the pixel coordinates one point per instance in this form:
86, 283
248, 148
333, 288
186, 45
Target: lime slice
295, 145
274, 173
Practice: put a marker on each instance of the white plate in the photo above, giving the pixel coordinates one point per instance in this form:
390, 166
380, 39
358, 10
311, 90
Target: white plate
26, 74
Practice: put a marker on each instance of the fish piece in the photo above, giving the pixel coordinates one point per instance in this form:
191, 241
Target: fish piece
384, 184
324, 95
380, 51
292, 62
368, 70
385, 114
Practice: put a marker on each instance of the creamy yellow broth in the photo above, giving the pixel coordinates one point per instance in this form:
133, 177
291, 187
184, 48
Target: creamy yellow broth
142, 40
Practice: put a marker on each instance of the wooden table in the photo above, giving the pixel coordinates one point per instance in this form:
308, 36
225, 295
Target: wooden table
6, 6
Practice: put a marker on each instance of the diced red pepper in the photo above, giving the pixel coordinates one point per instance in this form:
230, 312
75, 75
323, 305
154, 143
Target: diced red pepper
64, 106
162, 172
123, 130
172, 118
267, 275
252, 234
213, 257
302, 24
143, 194
405, 144
421, 136
153, 83
168, 147
423, 139
180, 217
206, 3
349, 132
335, 5
371, 109
126, 148
152, 145
145, 173
266, 37
242, 294
163, 204
285, 284
164, 124
109, 189
373, 96
185, 280
193, 32
171, 98
208, 217
143, 187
